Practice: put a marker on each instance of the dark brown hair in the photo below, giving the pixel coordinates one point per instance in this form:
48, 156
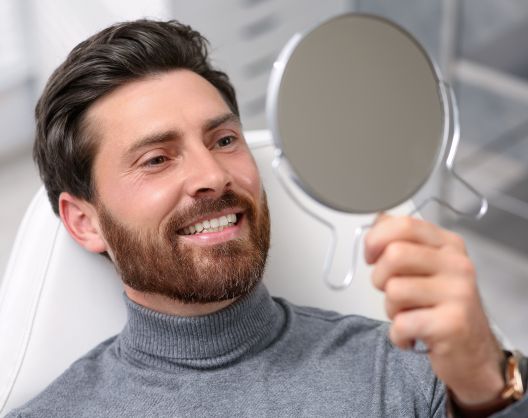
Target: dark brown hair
64, 150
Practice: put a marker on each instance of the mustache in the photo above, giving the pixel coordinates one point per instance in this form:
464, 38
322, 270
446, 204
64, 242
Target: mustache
205, 206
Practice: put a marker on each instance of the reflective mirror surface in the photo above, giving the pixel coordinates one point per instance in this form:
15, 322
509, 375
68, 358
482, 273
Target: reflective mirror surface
356, 109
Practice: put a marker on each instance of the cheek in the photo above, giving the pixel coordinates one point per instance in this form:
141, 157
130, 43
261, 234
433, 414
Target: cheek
154, 202
246, 175
141, 202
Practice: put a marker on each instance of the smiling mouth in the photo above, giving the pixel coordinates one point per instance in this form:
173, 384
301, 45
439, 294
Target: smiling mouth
211, 225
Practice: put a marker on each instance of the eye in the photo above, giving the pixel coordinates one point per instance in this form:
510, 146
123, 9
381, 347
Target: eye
155, 161
226, 141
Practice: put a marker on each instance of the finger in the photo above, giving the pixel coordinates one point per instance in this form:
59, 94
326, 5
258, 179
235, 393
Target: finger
442, 328
454, 241
406, 293
409, 259
410, 326
382, 216
391, 229
388, 229
405, 259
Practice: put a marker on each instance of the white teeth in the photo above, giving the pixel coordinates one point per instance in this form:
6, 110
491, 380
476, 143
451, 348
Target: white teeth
211, 225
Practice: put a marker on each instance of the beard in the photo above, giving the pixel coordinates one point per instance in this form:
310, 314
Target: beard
161, 263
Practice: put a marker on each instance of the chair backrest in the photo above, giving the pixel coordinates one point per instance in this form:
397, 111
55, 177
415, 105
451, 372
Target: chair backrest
57, 301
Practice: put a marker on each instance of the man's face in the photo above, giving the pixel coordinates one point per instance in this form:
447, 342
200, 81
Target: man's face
179, 198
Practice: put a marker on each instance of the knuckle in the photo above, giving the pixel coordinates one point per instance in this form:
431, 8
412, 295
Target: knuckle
457, 241
465, 292
399, 325
377, 278
390, 309
406, 224
465, 267
394, 253
369, 241
393, 291
443, 348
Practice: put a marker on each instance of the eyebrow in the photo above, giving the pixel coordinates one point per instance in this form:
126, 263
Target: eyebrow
172, 134
213, 123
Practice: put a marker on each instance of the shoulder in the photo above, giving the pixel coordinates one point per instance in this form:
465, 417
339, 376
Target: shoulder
360, 344
326, 322
73, 387
352, 330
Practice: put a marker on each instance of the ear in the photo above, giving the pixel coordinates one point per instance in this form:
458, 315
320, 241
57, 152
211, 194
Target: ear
81, 221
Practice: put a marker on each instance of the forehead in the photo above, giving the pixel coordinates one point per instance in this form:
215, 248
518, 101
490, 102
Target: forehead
179, 99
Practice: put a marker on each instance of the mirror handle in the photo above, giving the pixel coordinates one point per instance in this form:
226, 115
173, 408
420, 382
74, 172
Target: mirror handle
278, 162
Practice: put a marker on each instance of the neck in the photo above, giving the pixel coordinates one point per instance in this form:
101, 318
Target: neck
158, 340
165, 305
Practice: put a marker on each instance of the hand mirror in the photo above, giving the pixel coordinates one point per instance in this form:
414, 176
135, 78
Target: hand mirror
360, 119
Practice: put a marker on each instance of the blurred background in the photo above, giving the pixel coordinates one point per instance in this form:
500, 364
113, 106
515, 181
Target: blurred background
481, 46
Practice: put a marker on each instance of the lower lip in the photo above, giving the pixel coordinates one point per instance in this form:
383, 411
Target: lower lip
211, 238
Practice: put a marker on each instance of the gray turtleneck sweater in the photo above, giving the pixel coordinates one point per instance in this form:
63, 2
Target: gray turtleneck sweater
259, 357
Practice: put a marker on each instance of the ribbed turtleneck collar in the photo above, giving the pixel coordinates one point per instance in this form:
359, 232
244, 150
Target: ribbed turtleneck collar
160, 340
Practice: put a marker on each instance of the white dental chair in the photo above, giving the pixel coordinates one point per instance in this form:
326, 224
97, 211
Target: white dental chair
57, 301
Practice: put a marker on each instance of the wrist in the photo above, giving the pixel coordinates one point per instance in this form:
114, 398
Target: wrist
512, 390
483, 384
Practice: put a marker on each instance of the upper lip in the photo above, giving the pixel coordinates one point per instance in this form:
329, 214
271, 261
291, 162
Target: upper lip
213, 215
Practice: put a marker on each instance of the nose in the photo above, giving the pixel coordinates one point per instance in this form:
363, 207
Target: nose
205, 174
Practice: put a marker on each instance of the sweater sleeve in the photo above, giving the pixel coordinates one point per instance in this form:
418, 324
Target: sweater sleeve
518, 409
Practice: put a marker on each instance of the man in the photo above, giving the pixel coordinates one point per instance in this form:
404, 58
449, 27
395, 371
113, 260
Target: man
141, 149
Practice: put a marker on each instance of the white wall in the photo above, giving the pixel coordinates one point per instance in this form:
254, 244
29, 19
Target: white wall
245, 37
58, 25
15, 88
